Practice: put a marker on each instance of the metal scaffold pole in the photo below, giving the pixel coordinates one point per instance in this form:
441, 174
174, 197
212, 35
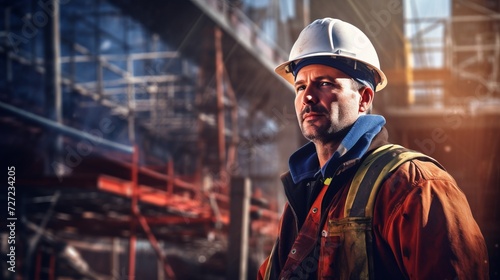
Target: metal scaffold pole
134, 214
52, 80
219, 73
239, 223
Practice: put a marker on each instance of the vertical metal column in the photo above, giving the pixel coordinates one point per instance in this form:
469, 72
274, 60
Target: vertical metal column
306, 6
237, 253
52, 266
52, 79
171, 176
38, 266
219, 75
115, 258
131, 99
52, 53
130, 85
134, 214
156, 246
232, 153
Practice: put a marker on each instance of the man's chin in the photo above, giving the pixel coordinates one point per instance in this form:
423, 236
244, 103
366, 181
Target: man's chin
311, 131
311, 135
321, 135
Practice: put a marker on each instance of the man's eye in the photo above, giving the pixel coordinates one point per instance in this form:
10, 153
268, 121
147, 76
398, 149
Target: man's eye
299, 88
329, 85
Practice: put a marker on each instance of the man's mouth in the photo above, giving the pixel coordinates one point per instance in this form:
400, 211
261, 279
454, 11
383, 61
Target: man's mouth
311, 116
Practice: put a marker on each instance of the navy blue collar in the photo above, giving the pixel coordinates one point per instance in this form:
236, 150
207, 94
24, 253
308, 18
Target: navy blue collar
304, 163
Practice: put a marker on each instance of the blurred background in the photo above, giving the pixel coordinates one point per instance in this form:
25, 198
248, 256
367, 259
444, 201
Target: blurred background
148, 136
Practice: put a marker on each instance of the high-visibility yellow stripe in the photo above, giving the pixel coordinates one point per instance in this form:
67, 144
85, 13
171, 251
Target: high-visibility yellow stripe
360, 174
391, 166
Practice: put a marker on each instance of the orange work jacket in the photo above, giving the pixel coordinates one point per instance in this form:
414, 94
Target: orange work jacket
422, 228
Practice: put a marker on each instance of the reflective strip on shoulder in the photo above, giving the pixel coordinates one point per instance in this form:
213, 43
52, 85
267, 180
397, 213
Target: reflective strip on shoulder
371, 174
389, 167
360, 174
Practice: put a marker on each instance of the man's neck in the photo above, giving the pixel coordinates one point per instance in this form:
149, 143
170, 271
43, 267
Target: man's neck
325, 151
326, 147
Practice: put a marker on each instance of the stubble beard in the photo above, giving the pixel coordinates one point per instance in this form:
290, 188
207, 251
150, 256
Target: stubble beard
331, 131
324, 134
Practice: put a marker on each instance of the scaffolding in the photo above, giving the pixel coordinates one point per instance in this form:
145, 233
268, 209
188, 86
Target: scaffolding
447, 51
123, 132
134, 131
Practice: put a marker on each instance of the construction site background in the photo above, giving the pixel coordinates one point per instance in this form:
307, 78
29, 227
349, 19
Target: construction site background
145, 140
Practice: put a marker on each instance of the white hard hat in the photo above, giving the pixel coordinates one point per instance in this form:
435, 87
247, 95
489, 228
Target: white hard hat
339, 43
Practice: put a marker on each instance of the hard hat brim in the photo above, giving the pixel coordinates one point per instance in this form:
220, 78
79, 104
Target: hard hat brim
288, 76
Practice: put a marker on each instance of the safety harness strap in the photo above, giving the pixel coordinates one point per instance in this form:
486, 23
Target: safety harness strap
361, 199
372, 172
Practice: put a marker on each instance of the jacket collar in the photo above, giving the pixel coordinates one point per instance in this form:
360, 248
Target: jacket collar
296, 192
304, 162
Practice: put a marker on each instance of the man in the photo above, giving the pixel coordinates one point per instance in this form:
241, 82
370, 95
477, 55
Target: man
414, 223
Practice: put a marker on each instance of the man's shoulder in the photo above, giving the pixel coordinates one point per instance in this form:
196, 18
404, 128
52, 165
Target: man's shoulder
412, 164
407, 185
422, 169
413, 175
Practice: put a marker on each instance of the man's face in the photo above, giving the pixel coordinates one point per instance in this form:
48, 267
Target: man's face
325, 102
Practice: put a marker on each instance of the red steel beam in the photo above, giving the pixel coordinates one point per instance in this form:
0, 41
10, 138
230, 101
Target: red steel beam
150, 195
178, 220
52, 267
157, 175
38, 265
170, 173
154, 243
221, 127
161, 198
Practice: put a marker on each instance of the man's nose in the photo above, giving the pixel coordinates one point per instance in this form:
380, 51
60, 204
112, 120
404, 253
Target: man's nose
309, 98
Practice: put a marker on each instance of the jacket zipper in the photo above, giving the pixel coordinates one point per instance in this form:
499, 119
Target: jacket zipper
339, 170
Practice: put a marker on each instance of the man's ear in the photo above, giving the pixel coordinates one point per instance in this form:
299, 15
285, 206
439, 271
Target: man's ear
365, 103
